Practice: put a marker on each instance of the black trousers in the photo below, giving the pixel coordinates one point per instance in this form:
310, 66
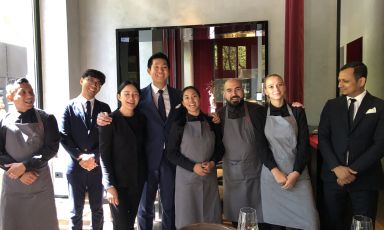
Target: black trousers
78, 185
337, 199
125, 213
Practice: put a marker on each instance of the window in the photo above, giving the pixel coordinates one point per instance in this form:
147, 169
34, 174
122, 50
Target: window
17, 46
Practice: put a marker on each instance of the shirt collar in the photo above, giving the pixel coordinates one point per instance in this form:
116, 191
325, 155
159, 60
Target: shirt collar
359, 98
84, 100
281, 111
155, 89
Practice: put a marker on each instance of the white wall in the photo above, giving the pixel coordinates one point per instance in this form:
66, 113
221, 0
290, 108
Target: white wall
319, 56
366, 22
54, 45
98, 20
92, 42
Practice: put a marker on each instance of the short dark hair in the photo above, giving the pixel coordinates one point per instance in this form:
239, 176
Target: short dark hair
94, 73
158, 55
192, 88
14, 84
125, 83
359, 69
21, 81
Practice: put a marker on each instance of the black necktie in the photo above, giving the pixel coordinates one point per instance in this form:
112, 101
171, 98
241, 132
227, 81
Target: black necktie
161, 105
351, 111
88, 114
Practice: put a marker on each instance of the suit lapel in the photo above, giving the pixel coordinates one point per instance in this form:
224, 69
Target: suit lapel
80, 110
95, 111
364, 106
343, 112
171, 102
150, 104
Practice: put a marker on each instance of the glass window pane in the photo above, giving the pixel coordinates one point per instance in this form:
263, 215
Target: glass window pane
17, 50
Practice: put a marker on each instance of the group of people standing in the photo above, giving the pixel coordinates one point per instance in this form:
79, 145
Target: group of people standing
183, 146
159, 139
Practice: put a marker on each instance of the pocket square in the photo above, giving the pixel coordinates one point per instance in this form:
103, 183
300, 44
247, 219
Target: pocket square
179, 105
371, 110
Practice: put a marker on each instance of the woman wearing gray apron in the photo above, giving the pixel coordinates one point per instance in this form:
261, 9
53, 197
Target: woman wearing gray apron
286, 190
28, 139
194, 145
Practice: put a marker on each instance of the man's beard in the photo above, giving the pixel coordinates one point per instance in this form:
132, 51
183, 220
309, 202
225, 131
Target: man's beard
234, 103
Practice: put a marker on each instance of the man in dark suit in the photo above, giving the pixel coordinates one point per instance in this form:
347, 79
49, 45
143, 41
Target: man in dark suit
161, 173
80, 138
159, 103
351, 141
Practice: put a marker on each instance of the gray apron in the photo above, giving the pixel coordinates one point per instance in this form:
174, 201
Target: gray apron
295, 207
197, 198
26, 207
241, 168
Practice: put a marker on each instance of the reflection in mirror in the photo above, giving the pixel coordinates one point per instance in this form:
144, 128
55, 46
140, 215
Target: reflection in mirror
202, 55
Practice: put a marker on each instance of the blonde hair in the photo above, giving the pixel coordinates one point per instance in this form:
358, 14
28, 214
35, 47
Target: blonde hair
273, 75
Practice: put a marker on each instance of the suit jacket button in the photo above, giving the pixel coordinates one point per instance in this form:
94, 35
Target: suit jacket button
85, 150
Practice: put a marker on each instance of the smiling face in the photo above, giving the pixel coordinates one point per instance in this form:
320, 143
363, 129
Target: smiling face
23, 97
191, 101
90, 86
129, 97
275, 88
159, 72
233, 91
348, 84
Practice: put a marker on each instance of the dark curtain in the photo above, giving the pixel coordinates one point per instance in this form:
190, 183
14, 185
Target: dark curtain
202, 64
294, 50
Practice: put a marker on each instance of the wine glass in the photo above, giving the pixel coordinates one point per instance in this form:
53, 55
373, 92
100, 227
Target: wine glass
360, 222
247, 219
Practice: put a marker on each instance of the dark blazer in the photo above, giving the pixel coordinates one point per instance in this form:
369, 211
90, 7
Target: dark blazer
74, 133
158, 129
122, 151
365, 141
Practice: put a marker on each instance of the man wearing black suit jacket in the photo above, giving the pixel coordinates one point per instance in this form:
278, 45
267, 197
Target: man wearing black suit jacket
80, 138
351, 141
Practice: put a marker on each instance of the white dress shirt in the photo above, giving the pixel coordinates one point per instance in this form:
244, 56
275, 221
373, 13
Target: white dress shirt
359, 98
155, 96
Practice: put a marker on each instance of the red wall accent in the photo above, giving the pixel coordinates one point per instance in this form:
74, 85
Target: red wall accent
203, 68
355, 50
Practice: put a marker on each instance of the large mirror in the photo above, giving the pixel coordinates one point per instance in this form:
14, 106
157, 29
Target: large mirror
200, 55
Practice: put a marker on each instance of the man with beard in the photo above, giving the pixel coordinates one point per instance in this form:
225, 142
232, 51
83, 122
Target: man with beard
80, 138
243, 137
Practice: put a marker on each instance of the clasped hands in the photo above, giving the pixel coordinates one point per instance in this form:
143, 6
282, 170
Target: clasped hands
18, 171
286, 181
87, 161
344, 174
203, 168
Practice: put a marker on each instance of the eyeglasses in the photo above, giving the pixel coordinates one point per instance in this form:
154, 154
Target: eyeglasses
93, 80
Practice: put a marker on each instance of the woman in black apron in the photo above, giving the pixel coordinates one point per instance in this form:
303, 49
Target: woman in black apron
286, 190
195, 145
28, 139
123, 158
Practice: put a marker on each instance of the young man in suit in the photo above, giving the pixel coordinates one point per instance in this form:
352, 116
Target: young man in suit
351, 141
158, 103
80, 138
